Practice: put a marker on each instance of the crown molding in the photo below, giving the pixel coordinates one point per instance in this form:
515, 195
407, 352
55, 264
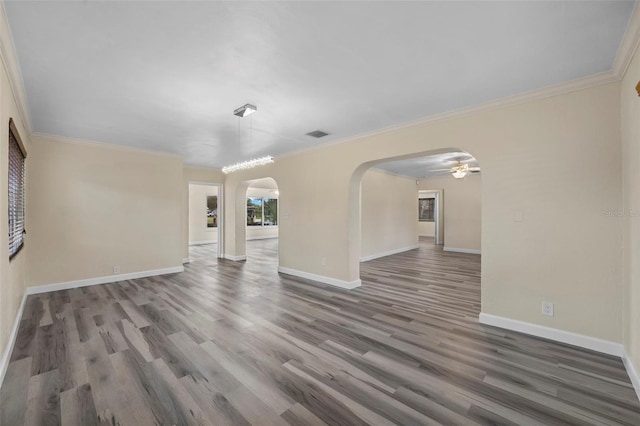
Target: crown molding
97, 144
629, 45
531, 96
625, 54
12, 68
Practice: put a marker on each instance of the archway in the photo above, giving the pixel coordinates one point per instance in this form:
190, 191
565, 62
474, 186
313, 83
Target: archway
262, 220
247, 220
356, 215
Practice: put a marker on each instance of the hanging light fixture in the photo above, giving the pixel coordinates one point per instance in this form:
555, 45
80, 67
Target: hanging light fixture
242, 112
245, 110
248, 164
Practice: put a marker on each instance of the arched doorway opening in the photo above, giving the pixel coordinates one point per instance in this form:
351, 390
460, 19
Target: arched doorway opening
253, 228
262, 221
392, 199
430, 171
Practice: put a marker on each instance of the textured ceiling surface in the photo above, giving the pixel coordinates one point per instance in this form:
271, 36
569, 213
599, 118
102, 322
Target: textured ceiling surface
167, 75
433, 165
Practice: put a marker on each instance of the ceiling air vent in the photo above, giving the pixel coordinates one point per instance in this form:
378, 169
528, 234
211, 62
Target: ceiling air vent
317, 134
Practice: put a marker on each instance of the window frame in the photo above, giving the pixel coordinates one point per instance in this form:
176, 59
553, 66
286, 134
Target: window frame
215, 222
14, 135
277, 212
250, 204
262, 225
430, 204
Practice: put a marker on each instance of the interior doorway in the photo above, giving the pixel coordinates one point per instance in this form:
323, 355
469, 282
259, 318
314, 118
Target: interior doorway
205, 220
383, 223
431, 215
262, 221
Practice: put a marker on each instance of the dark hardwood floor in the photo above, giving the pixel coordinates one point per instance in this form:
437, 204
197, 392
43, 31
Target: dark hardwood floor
234, 343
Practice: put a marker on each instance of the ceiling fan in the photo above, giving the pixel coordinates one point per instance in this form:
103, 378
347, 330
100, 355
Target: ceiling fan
460, 169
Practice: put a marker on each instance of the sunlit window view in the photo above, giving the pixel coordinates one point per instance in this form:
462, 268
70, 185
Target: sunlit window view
262, 211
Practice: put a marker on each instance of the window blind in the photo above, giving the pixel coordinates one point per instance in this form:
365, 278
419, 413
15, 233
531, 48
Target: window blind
16, 192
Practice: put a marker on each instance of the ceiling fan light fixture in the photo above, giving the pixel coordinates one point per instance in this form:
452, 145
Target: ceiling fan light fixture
459, 174
245, 110
460, 171
248, 164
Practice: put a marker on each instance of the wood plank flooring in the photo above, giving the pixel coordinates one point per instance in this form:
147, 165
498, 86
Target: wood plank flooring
234, 343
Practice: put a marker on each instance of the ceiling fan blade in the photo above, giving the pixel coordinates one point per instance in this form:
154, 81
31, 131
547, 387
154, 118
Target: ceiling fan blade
459, 159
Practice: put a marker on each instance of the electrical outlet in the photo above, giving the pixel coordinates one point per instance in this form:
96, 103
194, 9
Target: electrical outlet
323, 261
518, 216
116, 269
547, 309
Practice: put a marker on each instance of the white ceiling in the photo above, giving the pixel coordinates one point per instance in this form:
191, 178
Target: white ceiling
433, 165
168, 75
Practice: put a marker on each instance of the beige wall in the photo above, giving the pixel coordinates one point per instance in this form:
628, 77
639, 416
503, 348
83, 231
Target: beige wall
630, 209
94, 206
427, 229
524, 150
261, 232
83, 218
201, 175
389, 213
462, 209
12, 273
198, 231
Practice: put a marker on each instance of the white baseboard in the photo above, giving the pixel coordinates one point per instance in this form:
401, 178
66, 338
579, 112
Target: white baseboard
235, 258
4, 362
388, 253
320, 278
593, 343
202, 243
632, 372
101, 280
65, 286
266, 237
426, 235
461, 250
186, 260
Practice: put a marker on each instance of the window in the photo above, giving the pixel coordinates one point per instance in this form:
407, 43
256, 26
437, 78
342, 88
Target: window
262, 211
270, 206
426, 208
16, 191
254, 211
212, 211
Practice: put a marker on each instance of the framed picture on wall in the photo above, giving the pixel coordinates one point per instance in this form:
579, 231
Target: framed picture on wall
426, 207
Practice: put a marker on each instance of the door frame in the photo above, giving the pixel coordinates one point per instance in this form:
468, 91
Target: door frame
220, 187
438, 213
